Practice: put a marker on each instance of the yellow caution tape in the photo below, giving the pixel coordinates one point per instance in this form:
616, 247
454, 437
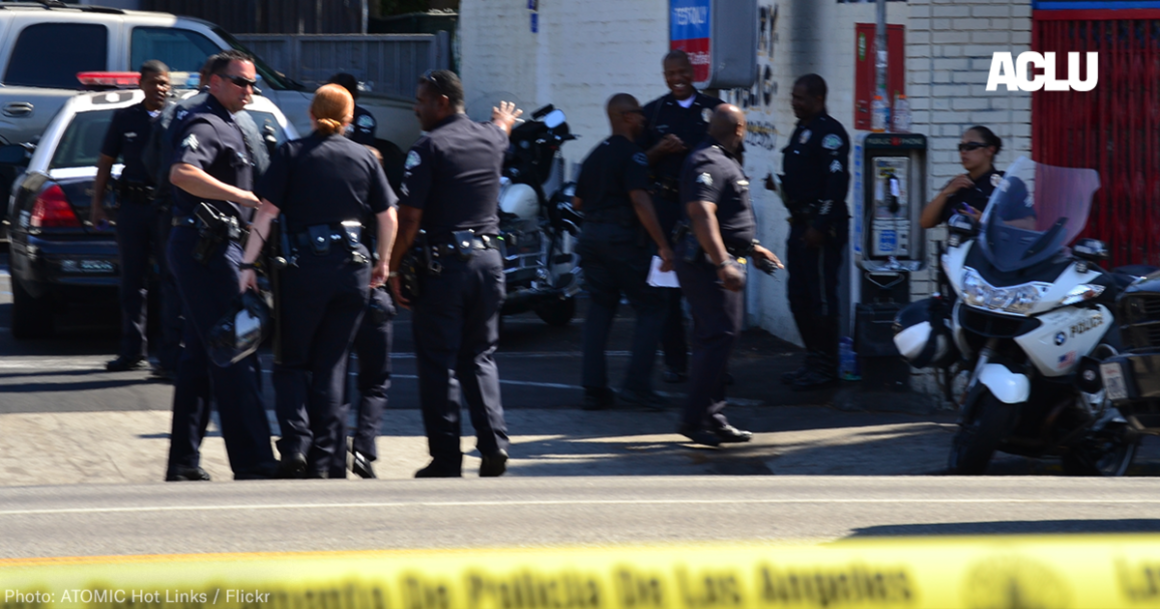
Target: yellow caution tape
993, 573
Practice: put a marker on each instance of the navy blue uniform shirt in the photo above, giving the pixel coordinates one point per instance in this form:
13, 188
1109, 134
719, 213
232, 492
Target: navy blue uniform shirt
325, 179
615, 167
713, 174
665, 115
211, 140
816, 167
976, 196
127, 136
452, 174
362, 127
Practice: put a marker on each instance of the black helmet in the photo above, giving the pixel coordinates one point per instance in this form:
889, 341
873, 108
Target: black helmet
923, 336
239, 332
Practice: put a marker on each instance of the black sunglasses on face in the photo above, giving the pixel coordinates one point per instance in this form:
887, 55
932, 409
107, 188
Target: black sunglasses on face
969, 146
240, 81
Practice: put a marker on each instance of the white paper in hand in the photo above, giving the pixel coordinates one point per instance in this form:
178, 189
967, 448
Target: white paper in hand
659, 279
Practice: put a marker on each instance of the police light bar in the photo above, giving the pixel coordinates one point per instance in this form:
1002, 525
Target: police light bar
109, 79
184, 80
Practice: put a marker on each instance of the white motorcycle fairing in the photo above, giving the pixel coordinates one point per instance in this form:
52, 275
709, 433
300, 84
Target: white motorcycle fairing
1009, 387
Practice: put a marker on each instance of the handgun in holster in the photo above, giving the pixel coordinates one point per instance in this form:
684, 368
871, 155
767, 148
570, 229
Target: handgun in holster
213, 228
417, 257
428, 255
274, 257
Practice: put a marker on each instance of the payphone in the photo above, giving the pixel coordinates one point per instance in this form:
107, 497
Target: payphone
889, 245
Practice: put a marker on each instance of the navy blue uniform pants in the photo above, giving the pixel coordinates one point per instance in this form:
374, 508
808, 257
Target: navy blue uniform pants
613, 268
673, 341
813, 295
372, 344
207, 291
456, 328
717, 319
192, 397
322, 303
142, 229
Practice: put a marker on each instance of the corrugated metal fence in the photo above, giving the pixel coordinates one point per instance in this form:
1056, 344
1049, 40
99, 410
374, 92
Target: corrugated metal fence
387, 64
1115, 128
273, 16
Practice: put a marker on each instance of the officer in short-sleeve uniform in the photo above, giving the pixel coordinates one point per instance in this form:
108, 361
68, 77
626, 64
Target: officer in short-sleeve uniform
450, 187
362, 127
684, 114
318, 183
210, 140
976, 195
140, 234
814, 184
615, 254
714, 188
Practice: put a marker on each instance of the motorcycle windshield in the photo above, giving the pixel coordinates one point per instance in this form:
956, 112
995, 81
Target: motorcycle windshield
1035, 212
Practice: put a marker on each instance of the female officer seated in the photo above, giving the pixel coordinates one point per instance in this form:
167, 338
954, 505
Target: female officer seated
968, 193
324, 186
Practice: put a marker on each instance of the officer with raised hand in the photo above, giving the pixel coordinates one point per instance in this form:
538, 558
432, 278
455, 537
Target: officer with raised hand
816, 176
139, 231
676, 123
212, 177
721, 229
450, 191
326, 187
616, 248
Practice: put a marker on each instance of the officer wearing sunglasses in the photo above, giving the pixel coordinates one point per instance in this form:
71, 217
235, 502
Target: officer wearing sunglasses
968, 193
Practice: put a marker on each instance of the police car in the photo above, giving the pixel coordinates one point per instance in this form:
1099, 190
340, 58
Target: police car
57, 257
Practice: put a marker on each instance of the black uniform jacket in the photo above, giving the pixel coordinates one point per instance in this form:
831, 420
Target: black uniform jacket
816, 166
713, 174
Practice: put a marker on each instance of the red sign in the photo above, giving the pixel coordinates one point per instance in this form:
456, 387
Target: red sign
698, 50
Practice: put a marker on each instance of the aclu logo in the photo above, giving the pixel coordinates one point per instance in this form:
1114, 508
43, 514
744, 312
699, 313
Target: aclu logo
1017, 73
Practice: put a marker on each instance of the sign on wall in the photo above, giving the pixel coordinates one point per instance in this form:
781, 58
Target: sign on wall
689, 31
720, 38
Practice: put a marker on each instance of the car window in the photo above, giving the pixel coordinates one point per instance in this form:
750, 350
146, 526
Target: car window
80, 146
51, 54
264, 119
181, 50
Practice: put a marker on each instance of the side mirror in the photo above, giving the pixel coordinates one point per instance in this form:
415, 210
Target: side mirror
555, 118
1092, 250
962, 228
15, 154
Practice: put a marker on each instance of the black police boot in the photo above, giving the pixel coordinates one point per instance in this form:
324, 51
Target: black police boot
699, 435
439, 469
187, 474
598, 398
671, 375
729, 434
648, 399
360, 464
819, 376
790, 378
293, 466
125, 362
493, 465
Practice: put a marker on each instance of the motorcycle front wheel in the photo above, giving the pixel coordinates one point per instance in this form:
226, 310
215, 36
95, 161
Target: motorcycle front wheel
1108, 453
977, 439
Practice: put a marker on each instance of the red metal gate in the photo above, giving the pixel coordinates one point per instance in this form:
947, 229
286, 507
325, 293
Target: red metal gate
1115, 128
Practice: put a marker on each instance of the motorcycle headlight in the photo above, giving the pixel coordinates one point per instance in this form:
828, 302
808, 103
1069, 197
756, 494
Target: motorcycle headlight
1017, 300
1081, 293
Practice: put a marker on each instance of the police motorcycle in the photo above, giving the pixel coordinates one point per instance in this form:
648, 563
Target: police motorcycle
1027, 327
538, 226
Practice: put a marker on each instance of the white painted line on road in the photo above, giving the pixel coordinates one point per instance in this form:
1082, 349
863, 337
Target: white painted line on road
60, 364
568, 502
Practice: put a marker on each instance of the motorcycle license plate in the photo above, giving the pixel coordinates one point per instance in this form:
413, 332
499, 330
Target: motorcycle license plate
1114, 381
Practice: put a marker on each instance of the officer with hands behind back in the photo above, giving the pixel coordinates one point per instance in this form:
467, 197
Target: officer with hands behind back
450, 191
139, 224
620, 228
816, 175
212, 177
676, 123
326, 187
709, 263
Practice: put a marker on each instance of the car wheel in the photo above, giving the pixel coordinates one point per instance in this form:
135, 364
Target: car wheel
31, 317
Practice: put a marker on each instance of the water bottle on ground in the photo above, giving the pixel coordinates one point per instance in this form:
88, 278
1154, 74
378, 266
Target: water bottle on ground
847, 360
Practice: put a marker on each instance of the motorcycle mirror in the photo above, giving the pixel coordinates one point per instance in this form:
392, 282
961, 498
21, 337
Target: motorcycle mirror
1092, 250
554, 119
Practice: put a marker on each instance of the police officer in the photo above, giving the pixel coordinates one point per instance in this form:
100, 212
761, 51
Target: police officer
362, 128
721, 228
140, 233
327, 187
212, 175
615, 251
676, 123
450, 190
968, 193
816, 174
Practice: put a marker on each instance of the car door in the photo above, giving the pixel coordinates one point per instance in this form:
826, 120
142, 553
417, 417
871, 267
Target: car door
39, 71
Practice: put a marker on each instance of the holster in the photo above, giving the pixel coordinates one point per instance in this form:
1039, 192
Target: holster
275, 259
212, 230
693, 251
462, 240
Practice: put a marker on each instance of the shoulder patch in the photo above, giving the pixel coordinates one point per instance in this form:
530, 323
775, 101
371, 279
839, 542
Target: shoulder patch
836, 166
640, 158
190, 142
366, 121
832, 142
413, 160
181, 113
706, 114
805, 136
705, 179
995, 179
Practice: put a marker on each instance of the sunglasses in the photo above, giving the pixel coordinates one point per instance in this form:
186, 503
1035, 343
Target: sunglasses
969, 146
240, 81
